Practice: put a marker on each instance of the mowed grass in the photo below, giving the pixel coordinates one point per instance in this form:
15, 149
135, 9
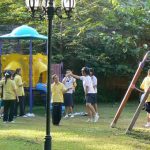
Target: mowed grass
76, 133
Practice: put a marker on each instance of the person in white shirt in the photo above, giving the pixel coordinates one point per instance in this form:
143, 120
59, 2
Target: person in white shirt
94, 81
69, 82
89, 93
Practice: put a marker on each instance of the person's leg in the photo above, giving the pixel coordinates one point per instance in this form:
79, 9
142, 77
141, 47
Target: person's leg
21, 105
55, 114
59, 112
71, 105
16, 108
66, 105
147, 108
95, 103
11, 111
6, 108
148, 117
90, 98
89, 111
95, 107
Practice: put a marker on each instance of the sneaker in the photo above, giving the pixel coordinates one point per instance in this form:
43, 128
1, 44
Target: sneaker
72, 116
96, 118
147, 125
24, 116
11, 121
67, 116
89, 120
97, 114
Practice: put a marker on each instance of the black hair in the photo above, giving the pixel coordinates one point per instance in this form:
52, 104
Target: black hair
16, 72
86, 70
7, 75
92, 70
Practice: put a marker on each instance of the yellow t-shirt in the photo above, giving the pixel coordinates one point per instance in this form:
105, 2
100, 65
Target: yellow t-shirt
8, 89
57, 92
145, 85
20, 89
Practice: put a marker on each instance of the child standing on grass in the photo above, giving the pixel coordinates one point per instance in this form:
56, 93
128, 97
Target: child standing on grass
57, 89
20, 93
94, 81
145, 85
69, 82
9, 96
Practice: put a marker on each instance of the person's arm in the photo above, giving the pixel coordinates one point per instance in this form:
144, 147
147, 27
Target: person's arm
15, 91
137, 89
95, 83
66, 89
86, 90
20, 83
75, 76
64, 80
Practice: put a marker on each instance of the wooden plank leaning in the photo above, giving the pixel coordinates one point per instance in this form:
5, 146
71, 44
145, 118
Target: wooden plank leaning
137, 112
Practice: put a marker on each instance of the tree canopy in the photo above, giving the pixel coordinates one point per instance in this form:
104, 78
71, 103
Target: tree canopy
109, 35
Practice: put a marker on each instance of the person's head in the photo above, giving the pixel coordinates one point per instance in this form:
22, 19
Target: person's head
148, 72
7, 75
55, 78
68, 71
18, 71
85, 71
91, 71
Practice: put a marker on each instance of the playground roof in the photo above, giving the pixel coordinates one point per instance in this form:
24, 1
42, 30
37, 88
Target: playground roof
24, 32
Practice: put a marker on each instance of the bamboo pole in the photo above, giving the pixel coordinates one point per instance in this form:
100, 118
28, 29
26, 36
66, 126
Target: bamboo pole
137, 112
130, 89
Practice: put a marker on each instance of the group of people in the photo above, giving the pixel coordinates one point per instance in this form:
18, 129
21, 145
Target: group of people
63, 93
11, 95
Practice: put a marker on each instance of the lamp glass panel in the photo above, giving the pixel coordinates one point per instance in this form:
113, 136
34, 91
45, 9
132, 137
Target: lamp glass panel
68, 4
32, 3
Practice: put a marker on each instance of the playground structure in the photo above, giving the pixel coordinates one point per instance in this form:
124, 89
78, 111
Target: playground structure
34, 67
127, 96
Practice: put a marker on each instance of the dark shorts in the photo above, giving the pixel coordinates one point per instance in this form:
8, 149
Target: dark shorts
90, 98
68, 99
95, 99
1, 103
147, 107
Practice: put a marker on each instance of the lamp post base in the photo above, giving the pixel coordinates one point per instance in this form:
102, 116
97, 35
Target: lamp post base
47, 143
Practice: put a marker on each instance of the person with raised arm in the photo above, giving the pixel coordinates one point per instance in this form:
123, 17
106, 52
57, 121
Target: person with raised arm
89, 93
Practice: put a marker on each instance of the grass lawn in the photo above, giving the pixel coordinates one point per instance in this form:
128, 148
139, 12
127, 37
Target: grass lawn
76, 134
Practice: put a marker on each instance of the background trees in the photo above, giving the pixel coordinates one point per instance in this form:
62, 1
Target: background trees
108, 35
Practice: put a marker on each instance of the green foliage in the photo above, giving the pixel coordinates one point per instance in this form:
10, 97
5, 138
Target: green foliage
108, 35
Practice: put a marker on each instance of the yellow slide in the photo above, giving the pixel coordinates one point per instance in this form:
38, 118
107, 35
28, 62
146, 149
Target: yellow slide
39, 66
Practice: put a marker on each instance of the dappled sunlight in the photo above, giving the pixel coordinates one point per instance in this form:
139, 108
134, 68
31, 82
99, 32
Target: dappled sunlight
31, 134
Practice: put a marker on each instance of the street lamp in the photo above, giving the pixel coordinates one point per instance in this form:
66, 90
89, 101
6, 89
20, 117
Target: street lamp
47, 8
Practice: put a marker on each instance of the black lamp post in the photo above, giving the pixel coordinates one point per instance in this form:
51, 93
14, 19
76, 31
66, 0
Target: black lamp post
46, 8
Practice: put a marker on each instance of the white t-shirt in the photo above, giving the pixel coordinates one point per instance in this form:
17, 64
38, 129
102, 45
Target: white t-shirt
69, 83
87, 81
94, 81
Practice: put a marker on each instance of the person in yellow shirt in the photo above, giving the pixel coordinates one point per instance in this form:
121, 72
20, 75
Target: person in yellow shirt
20, 93
57, 90
9, 96
144, 86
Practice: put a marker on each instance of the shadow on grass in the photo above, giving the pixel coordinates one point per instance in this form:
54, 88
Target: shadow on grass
141, 134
